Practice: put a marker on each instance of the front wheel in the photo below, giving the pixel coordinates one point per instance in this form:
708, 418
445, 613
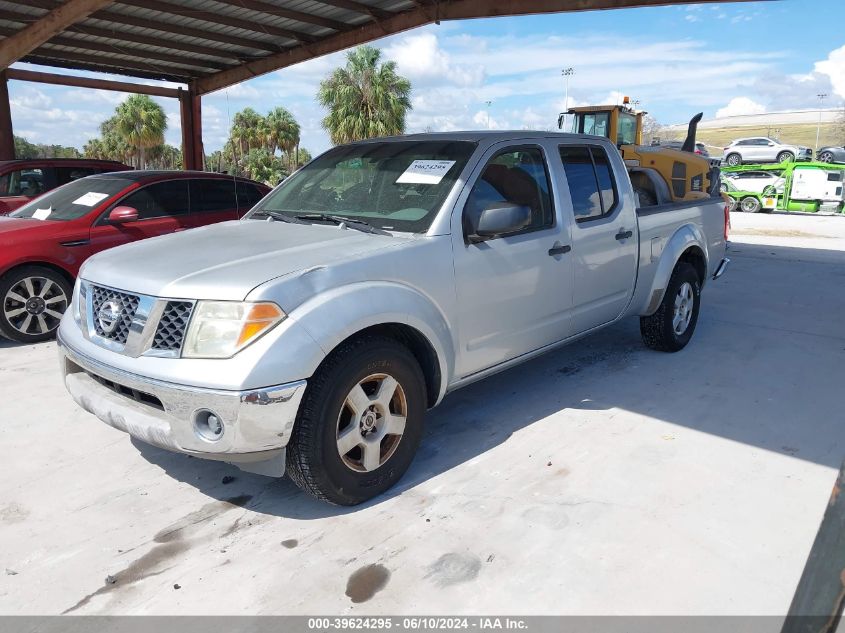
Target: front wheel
786, 157
359, 423
34, 299
733, 160
826, 157
671, 327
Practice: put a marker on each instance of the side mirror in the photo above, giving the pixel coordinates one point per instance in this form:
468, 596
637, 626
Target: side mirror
501, 218
560, 121
121, 215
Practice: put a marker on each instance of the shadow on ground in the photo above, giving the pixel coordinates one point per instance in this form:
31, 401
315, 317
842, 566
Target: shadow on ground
759, 348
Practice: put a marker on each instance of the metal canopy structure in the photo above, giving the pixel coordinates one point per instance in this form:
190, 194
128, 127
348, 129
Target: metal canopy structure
208, 45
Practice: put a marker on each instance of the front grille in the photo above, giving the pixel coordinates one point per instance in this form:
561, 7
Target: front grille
138, 396
126, 305
172, 326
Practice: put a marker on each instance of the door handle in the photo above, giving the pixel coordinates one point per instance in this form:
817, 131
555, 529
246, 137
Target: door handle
558, 249
624, 235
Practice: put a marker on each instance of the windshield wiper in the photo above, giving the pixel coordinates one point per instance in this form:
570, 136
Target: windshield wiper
278, 215
358, 225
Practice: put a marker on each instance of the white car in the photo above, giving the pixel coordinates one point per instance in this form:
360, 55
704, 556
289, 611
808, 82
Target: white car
755, 181
761, 149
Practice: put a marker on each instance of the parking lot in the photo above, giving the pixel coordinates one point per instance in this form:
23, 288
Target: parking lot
602, 478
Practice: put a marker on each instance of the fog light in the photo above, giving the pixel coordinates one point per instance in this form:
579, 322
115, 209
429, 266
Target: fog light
208, 425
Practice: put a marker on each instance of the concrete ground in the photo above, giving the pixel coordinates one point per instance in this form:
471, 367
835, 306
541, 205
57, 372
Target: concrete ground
601, 479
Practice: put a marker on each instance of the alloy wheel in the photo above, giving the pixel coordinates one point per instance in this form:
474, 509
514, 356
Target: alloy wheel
35, 305
684, 304
371, 422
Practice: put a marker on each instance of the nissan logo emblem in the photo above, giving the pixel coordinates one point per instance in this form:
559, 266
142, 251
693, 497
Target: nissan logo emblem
108, 316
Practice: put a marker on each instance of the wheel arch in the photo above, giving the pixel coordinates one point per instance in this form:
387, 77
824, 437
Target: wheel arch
686, 245
346, 313
42, 264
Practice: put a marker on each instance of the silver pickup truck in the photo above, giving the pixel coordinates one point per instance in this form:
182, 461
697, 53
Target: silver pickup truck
311, 336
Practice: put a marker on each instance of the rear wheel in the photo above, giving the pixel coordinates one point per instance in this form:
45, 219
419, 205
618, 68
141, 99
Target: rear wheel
750, 204
731, 204
34, 299
359, 423
786, 157
733, 160
671, 327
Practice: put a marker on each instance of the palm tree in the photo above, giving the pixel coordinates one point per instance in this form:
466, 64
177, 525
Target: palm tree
141, 123
365, 99
246, 132
281, 131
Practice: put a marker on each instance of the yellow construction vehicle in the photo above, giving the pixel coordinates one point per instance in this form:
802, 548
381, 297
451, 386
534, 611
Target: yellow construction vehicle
659, 174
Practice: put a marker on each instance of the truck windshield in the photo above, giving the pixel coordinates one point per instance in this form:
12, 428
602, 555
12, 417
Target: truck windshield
389, 185
71, 201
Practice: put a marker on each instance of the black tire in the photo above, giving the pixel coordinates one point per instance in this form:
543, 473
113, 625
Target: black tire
826, 157
658, 330
731, 204
645, 197
314, 461
733, 160
34, 319
750, 204
786, 157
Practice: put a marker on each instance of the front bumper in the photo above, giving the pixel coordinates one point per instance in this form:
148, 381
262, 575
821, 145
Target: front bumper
257, 423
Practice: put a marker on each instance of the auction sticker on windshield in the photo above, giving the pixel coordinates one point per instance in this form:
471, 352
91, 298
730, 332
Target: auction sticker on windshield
42, 214
425, 172
90, 199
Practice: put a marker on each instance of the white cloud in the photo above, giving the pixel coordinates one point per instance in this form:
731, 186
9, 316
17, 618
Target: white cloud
421, 59
834, 68
740, 105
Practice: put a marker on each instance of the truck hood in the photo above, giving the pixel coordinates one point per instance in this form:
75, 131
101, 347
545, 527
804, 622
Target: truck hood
226, 261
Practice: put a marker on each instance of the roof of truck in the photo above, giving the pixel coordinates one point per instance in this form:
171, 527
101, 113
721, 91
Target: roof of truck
484, 135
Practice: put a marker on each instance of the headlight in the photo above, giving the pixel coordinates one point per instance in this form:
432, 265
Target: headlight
220, 329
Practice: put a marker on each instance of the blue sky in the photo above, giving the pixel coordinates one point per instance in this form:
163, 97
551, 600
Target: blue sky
722, 59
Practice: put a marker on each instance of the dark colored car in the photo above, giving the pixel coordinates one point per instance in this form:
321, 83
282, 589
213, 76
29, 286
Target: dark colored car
44, 242
23, 180
831, 155
700, 148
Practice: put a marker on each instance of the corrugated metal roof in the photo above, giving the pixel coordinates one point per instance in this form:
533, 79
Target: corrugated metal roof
184, 40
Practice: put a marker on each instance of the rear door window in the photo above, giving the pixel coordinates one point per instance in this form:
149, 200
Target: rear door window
590, 180
248, 195
212, 195
160, 199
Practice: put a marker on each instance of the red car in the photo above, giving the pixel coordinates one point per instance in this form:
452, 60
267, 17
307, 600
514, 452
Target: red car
43, 243
23, 180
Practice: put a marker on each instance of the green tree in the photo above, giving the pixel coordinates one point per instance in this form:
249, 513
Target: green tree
25, 149
280, 130
302, 156
261, 165
141, 123
246, 133
365, 99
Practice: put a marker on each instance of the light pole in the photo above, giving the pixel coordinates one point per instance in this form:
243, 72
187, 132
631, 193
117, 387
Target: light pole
488, 113
822, 96
567, 73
